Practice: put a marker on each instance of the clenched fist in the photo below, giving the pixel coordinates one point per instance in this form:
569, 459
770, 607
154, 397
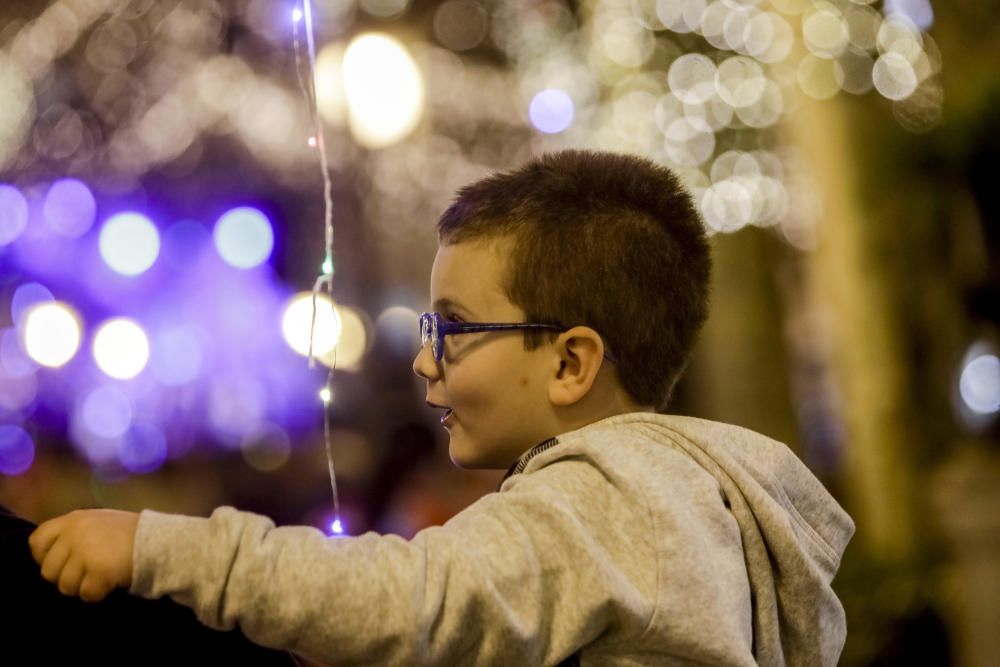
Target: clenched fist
87, 553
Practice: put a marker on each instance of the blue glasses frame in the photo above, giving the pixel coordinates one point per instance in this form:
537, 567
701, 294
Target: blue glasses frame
434, 328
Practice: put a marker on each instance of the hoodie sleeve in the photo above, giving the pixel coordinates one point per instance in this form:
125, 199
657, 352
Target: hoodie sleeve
526, 576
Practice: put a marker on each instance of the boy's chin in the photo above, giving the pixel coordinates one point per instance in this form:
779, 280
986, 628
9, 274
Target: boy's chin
466, 457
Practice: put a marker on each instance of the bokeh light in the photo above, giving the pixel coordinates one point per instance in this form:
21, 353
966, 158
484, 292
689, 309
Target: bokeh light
121, 348
17, 393
25, 297
296, 321
917, 11
13, 360
106, 411
177, 356
129, 243
51, 333
330, 96
825, 31
398, 327
13, 214
980, 384
266, 448
182, 243
69, 208
17, 450
237, 405
551, 111
142, 449
893, 76
353, 342
243, 237
460, 25
692, 78
18, 109
384, 89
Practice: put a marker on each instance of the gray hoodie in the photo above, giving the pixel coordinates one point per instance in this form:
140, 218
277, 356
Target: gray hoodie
641, 539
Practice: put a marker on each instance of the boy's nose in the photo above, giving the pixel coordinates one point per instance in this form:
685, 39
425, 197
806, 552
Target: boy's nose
424, 363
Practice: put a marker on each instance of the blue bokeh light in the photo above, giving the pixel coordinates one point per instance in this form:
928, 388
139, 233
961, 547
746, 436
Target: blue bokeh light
551, 111
243, 237
129, 243
13, 214
918, 11
182, 244
336, 528
17, 450
69, 208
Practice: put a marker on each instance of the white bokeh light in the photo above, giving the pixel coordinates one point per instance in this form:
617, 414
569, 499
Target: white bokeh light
692, 78
384, 90
551, 111
979, 384
129, 243
121, 348
295, 325
243, 237
893, 76
51, 333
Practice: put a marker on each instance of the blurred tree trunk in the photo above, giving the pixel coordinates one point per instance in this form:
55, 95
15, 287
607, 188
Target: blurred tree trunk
856, 283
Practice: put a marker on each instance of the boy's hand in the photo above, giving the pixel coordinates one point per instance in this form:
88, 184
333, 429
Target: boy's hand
88, 553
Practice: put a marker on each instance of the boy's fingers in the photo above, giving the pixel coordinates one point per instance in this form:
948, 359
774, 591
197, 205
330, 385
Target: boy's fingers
94, 588
42, 539
71, 577
55, 560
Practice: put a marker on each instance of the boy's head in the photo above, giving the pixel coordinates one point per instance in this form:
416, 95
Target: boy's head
607, 247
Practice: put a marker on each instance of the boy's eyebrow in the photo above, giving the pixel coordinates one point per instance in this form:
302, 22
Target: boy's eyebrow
448, 304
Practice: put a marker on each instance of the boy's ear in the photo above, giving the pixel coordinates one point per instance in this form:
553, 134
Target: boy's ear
580, 354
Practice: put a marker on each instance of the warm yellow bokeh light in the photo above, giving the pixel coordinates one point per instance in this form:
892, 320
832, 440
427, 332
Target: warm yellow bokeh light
51, 333
330, 96
384, 90
353, 340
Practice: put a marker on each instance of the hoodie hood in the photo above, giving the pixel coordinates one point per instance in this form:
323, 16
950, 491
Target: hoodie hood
792, 530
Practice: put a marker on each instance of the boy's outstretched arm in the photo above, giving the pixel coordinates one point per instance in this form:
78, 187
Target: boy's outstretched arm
87, 553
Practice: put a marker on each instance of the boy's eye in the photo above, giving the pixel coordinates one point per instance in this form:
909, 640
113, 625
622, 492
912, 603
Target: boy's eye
453, 318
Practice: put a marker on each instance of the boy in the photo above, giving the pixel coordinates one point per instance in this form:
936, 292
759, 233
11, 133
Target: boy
567, 296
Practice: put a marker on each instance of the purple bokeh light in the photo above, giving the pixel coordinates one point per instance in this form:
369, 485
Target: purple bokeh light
69, 208
177, 355
143, 449
17, 450
551, 111
13, 214
14, 362
106, 412
26, 296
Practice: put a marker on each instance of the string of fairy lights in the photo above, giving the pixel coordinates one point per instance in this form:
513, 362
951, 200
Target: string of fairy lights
324, 282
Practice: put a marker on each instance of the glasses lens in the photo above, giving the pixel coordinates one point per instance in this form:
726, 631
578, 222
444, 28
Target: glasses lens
425, 328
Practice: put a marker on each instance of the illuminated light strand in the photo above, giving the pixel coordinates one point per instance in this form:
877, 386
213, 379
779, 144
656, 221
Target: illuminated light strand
325, 279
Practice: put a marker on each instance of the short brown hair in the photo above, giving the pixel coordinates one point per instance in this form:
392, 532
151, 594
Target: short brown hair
605, 240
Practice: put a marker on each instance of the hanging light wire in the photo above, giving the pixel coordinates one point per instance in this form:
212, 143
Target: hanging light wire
324, 281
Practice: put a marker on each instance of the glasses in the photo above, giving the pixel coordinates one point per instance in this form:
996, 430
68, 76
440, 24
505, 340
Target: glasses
434, 328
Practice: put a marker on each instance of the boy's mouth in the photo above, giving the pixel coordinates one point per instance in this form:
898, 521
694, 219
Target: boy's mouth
446, 417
